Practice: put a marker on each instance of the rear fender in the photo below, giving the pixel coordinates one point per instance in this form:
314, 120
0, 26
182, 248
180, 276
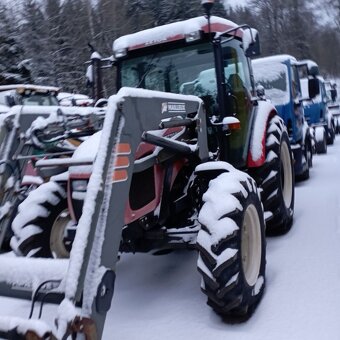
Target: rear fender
257, 148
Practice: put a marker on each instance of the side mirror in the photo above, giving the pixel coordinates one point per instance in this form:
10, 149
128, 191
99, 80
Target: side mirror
10, 100
89, 76
260, 91
251, 43
334, 94
313, 70
313, 87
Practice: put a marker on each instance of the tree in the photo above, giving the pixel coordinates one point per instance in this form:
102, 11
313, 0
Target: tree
35, 40
72, 36
13, 69
334, 10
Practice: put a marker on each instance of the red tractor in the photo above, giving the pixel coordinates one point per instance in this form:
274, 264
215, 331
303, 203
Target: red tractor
199, 162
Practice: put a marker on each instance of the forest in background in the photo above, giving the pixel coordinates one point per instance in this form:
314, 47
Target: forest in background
46, 41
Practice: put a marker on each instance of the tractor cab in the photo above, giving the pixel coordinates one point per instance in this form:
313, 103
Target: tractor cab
194, 57
24, 94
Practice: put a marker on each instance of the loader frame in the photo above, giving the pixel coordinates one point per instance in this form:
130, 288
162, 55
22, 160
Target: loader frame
94, 253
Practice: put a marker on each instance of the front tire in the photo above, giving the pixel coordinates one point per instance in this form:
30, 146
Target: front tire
308, 155
320, 140
276, 179
331, 137
40, 226
231, 246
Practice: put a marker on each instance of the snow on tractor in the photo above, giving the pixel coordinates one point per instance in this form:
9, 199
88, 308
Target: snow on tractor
20, 152
171, 171
279, 77
317, 114
333, 105
27, 94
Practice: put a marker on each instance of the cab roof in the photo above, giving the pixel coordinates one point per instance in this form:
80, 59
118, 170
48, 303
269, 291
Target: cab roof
280, 58
22, 87
172, 32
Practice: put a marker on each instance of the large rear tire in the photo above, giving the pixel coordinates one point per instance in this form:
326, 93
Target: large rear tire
275, 178
40, 226
231, 246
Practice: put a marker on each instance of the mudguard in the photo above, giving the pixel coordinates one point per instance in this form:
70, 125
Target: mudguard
257, 148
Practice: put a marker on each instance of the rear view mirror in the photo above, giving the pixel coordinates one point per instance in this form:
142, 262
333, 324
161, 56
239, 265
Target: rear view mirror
314, 70
10, 100
313, 87
334, 94
251, 40
260, 91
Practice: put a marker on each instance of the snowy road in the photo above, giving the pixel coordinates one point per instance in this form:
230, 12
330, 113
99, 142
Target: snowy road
158, 297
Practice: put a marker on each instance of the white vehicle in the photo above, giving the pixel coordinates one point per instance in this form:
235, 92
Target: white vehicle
25, 94
333, 105
74, 99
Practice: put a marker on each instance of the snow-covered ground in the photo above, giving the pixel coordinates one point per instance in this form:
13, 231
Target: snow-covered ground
158, 297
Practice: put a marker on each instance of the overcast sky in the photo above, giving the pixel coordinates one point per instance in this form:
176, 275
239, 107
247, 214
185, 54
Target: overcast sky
235, 2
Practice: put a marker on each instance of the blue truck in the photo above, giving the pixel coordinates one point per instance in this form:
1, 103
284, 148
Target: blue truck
317, 112
333, 105
279, 77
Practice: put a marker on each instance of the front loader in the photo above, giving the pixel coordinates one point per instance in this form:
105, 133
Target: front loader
19, 153
184, 149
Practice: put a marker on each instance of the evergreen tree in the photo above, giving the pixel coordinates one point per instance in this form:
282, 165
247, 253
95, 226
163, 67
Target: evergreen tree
35, 40
299, 29
74, 35
13, 67
54, 23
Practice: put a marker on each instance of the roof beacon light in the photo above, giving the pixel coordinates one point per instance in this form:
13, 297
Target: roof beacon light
231, 123
207, 5
193, 36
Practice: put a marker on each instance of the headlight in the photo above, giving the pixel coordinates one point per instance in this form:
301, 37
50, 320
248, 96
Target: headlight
79, 185
193, 36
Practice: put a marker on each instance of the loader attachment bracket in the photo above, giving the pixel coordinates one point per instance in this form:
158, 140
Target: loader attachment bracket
105, 292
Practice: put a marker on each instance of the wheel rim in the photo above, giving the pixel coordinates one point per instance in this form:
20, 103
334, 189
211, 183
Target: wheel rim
251, 247
286, 175
60, 245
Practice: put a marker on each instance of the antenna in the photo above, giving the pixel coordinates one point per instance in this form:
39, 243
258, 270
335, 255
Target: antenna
208, 5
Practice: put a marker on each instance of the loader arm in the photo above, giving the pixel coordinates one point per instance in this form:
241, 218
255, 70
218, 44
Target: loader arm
91, 271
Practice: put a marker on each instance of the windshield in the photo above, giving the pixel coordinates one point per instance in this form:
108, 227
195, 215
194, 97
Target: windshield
39, 99
274, 78
187, 70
